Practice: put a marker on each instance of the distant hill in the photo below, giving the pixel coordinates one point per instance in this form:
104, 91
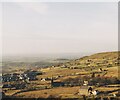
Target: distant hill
103, 55
104, 59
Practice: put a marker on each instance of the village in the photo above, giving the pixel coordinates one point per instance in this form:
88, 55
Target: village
86, 82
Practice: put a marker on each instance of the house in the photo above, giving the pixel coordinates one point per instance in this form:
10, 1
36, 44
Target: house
85, 83
63, 66
95, 92
43, 79
21, 77
27, 80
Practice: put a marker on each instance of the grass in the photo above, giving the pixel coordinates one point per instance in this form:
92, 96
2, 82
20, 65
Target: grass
112, 72
71, 92
59, 71
59, 91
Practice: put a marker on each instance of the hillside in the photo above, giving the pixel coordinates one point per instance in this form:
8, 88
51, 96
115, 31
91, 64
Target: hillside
105, 59
99, 70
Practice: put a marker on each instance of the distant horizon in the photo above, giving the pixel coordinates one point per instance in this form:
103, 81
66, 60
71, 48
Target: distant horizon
57, 55
46, 57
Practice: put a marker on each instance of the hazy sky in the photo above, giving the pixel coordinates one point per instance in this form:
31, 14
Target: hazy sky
35, 28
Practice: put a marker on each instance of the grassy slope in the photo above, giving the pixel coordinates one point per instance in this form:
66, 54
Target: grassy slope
71, 91
97, 60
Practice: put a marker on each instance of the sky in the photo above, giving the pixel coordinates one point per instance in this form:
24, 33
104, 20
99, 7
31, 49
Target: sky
30, 28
